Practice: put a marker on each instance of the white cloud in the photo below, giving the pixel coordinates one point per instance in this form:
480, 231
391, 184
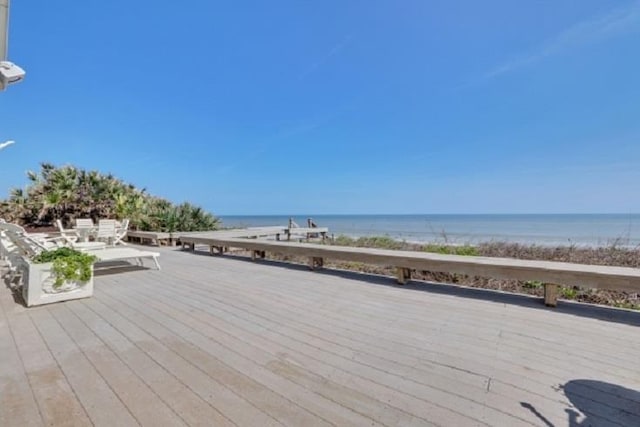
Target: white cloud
6, 144
618, 21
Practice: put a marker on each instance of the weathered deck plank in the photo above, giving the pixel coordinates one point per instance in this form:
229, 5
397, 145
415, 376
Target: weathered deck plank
104, 407
392, 307
17, 401
179, 397
293, 356
140, 400
223, 341
289, 402
443, 381
273, 361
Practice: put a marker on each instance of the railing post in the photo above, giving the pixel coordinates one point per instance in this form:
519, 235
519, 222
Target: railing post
403, 275
550, 294
315, 262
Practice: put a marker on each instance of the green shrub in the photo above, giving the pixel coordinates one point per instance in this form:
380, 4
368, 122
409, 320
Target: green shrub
69, 265
466, 250
532, 284
343, 240
627, 305
380, 242
569, 293
67, 193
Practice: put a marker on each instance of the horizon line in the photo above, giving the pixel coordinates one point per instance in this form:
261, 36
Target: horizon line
414, 214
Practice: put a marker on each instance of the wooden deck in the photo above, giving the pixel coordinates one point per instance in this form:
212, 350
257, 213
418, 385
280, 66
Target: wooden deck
224, 341
553, 274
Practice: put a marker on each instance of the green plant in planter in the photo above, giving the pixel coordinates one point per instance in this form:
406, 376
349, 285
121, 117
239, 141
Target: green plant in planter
68, 265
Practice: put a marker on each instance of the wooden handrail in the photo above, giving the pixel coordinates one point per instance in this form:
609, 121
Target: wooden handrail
551, 273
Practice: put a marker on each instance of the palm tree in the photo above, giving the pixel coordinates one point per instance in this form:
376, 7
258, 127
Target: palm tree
68, 192
17, 206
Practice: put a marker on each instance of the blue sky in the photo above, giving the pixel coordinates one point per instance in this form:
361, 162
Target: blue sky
291, 107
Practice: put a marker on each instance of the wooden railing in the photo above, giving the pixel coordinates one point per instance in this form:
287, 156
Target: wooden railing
551, 274
159, 238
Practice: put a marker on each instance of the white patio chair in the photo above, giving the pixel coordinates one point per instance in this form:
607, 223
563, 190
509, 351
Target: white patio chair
121, 232
106, 231
68, 234
84, 228
84, 222
71, 237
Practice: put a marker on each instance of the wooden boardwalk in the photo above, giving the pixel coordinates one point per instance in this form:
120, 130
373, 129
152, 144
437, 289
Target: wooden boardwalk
222, 341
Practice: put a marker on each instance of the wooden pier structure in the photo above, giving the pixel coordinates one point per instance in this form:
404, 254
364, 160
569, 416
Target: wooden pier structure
223, 341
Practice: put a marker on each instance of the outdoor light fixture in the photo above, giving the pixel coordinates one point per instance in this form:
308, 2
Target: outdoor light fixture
10, 73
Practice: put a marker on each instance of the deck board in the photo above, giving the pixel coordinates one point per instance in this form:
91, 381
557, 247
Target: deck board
140, 400
104, 407
191, 407
293, 354
443, 381
224, 341
292, 404
17, 400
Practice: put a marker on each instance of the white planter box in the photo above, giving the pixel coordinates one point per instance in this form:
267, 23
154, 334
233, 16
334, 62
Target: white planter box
37, 286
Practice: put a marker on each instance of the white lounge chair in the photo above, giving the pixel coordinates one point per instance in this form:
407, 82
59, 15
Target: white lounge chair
13, 231
40, 242
6, 247
29, 247
9, 254
120, 253
11, 271
17, 247
35, 280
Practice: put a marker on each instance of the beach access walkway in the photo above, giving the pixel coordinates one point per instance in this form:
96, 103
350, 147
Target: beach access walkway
224, 341
274, 232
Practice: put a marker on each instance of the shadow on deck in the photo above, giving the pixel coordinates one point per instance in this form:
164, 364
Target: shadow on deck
597, 400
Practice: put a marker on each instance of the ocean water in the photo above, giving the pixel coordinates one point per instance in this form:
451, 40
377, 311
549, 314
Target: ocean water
560, 229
